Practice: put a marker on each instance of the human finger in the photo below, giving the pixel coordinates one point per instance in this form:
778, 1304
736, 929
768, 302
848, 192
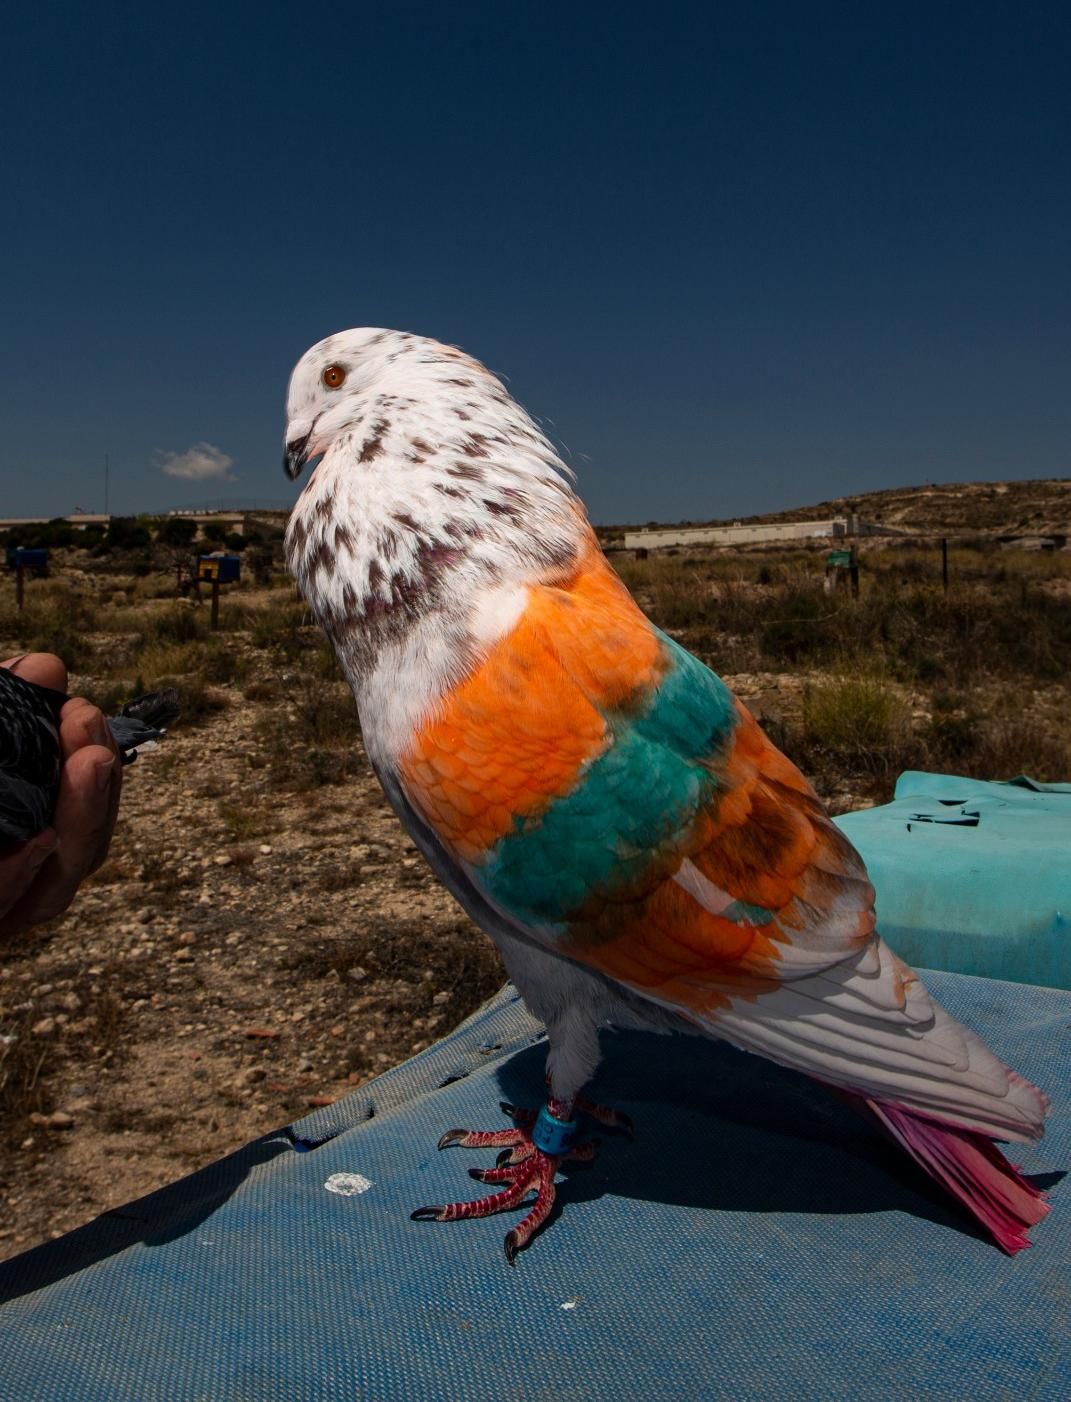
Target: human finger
19, 868
44, 668
83, 819
82, 724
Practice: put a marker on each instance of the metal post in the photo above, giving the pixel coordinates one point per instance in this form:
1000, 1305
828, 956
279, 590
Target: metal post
944, 562
19, 587
215, 603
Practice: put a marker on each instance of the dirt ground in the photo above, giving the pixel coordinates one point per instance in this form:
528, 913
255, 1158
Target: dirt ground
241, 957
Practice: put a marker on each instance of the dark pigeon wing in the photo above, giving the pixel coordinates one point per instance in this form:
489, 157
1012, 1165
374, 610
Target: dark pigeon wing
24, 808
29, 755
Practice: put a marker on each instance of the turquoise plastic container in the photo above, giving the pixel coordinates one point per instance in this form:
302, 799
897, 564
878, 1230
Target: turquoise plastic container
972, 876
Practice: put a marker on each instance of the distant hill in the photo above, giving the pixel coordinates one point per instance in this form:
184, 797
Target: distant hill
953, 508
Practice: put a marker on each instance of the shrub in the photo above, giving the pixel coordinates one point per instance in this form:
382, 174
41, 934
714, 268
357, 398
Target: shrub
175, 625
858, 717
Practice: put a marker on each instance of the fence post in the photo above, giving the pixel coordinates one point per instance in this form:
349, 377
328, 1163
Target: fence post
944, 562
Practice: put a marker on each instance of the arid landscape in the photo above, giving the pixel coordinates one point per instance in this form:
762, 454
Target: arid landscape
264, 937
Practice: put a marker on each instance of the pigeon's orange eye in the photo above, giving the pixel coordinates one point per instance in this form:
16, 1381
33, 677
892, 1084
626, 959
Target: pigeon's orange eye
334, 377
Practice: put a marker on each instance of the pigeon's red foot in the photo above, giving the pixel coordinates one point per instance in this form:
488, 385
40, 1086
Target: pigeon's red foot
530, 1156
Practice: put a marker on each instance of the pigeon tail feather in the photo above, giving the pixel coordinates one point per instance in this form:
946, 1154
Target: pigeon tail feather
144, 719
968, 1165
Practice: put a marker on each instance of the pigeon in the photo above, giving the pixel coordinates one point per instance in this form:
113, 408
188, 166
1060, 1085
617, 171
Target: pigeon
593, 795
30, 759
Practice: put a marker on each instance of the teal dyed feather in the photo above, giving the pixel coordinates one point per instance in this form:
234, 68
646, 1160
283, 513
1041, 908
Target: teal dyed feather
635, 800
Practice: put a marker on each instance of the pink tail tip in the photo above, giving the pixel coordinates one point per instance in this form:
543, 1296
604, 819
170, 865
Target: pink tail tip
973, 1169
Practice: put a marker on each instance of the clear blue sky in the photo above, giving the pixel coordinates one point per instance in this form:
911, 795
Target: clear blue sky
736, 256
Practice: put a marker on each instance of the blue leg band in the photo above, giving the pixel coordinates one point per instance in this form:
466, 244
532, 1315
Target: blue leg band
551, 1135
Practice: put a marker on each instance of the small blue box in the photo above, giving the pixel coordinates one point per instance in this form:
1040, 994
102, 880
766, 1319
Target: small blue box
226, 569
19, 558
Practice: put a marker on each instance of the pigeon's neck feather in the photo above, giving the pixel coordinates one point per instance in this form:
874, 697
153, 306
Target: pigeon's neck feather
434, 506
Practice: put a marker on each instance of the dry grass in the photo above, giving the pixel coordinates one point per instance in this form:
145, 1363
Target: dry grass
879, 671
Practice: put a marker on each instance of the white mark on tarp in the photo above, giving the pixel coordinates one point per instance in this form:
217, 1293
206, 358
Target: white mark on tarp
348, 1185
570, 1304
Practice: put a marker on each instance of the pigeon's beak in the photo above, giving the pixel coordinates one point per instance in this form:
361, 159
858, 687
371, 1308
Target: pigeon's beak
297, 451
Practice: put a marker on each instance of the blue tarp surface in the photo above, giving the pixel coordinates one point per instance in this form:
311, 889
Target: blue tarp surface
973, 876
755, 1240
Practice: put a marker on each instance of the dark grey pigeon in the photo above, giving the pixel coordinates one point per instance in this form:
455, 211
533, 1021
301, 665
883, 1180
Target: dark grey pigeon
30, 750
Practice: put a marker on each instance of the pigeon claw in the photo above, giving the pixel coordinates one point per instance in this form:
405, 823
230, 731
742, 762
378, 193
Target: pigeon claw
452, 1136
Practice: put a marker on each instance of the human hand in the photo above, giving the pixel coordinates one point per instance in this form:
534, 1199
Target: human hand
39, 878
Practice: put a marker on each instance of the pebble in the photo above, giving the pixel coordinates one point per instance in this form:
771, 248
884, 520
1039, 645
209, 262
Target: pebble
264, 1033
60, 1119
265, 849
223, 860
441, 998
44, 1027
186, 937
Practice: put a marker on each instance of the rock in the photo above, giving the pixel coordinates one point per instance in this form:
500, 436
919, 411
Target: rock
183, 956
60, 1119
265, 849
252, 1074
223, 860
186, 937
356, 973
263, 1033
318, 1101
441, 998
305, 1065
44, 1027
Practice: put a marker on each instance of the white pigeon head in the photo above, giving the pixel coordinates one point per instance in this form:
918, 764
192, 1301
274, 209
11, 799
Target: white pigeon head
431, 484
339, 376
